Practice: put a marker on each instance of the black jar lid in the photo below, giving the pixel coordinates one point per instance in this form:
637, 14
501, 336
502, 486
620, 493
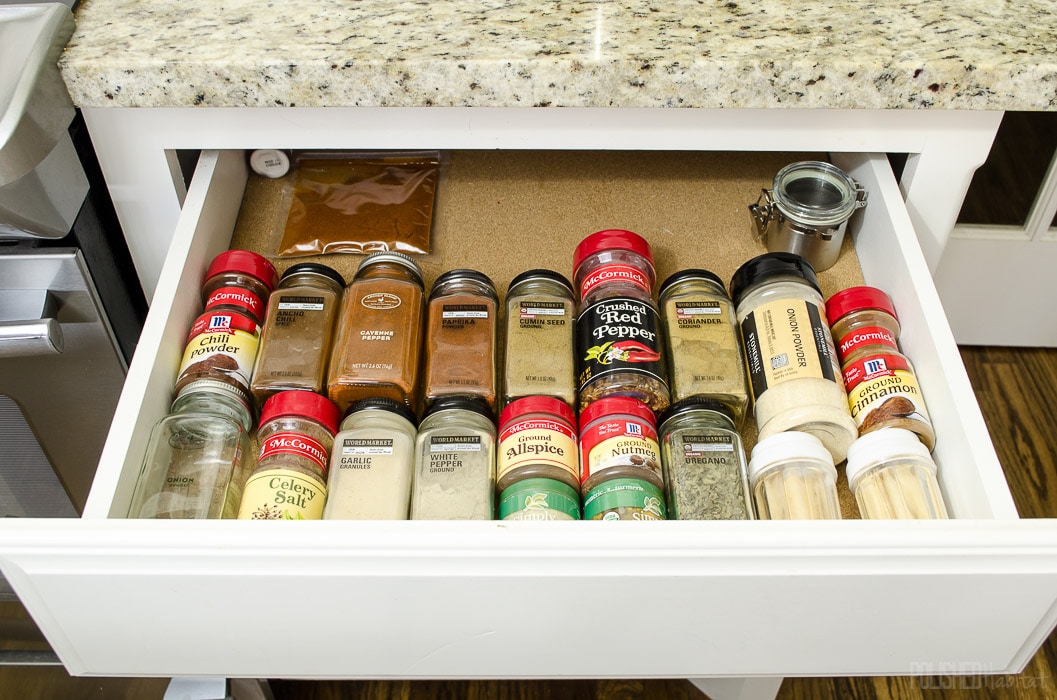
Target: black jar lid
693, 273
770, 265
382, 404
696, 403
462, 274
314, 269
546, 274
464, 403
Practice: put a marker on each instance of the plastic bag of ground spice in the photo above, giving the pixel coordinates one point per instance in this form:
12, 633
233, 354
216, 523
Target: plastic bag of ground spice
343, 202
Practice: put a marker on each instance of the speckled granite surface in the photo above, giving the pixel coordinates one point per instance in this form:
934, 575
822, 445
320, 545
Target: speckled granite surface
955, 54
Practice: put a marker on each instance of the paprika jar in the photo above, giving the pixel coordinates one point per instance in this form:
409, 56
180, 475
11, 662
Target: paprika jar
883, 390
537, 439
298, 327
618, 328
540, 322
379, 338
794, 376
296, 435
618, 439
239, 280
461, 337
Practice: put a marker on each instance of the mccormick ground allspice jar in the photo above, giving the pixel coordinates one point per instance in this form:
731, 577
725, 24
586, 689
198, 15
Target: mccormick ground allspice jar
537, 439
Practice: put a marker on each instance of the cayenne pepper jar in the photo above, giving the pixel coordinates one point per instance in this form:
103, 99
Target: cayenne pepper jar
296, 435
618, 439
241, 280
379, 338
461, 337
537, 439
618, 340
298, 326
883, 390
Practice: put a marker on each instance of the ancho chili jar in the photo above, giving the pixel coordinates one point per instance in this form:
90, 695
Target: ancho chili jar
618, 328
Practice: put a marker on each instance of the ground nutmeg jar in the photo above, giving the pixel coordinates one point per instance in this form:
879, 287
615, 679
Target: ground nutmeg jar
618, 439
296, 435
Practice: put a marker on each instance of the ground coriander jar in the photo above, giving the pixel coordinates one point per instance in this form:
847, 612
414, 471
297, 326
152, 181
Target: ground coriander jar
793, 478
540, 325
297, 331
461, 337
618, 328
618, 439
539, 499
455, 461
703, 347
295, 435
893, 476
704, 462
792, 365
372, 462
378, 344
241, 280
193, 467
625, 499
537, 439
883, 390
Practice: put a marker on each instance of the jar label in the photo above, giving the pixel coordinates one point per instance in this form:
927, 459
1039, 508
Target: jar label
697, 448
380, 301
618, 442
455, 443
220, 346
882, 388
365, 447
705, 349
618, 335
615, 272
530, 313
279, 494
625, 499
239, 297
539, 504
787, 339
298, 303
294, 444
866, 336
537, 441
461, 312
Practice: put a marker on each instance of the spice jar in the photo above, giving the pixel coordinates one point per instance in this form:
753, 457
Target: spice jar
793, 478
792, 364
893, 476
704, 462
298, 327
455, 461
625, 499
703, 348
239, 280
618, 340
372, 462
461, 337
539, 499
537, 439
296, 435
378, 344
222, 346
883, 390
193, 467
618, 439
539, 337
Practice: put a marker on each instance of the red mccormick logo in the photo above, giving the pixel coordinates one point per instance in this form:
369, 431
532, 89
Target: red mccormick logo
295, 444
614, 273
234, 296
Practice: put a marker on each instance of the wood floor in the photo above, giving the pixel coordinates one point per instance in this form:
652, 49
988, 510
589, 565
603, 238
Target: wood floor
1017, 391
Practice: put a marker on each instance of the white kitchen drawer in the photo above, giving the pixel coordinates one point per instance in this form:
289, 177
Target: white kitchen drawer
491, 599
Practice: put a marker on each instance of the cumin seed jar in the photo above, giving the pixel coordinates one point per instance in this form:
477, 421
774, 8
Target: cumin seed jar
461, 337
793, 478
893, 475
618, 439
540, 326
703, 351
537, 439
792, 365
297, 332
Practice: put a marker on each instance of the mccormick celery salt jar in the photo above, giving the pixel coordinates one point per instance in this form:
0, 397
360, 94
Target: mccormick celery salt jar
539, 337
793, 371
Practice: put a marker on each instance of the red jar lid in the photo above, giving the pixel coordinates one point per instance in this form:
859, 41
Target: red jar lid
302, 403
247, 262
614, 405
857, 299
537, 404
611, 239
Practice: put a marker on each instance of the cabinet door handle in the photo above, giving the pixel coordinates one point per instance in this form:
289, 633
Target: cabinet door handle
30, 338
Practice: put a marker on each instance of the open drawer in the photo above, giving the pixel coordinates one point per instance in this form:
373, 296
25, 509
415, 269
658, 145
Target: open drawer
975, 594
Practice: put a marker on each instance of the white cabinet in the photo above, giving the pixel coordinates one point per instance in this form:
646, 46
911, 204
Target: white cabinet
976, 594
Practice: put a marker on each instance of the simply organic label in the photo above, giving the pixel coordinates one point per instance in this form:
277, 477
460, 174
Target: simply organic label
278, 494
537, 442
787, 339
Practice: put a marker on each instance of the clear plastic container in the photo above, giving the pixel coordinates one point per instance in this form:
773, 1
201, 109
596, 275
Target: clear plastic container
893, 476
793, 478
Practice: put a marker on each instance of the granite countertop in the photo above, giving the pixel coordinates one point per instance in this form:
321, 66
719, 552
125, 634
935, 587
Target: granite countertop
946, 54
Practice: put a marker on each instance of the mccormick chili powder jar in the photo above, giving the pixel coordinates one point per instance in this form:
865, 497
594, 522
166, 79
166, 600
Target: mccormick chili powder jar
239, 280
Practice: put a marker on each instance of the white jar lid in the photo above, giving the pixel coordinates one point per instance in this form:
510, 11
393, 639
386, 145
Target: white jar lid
270, 162
882, 445
787, 447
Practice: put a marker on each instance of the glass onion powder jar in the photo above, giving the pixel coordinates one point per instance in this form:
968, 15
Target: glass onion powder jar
794, 376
